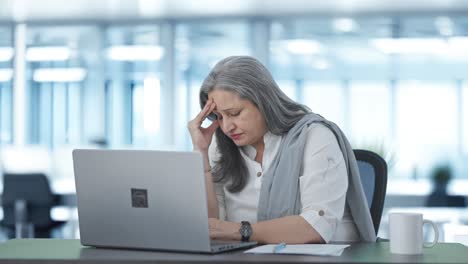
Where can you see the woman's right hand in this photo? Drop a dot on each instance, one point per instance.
(201, 137)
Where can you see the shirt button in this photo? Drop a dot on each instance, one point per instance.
(259, 174)
(321, 212)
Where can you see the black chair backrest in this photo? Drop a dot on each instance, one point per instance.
(373, 172)
(35, 190)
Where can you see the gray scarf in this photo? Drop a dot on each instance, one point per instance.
(279, 194)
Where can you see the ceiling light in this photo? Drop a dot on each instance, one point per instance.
(59, 75)
(6, 53)
(345, 25)
(303, 46)
(410, 45)
(135, 53)
(48, 53)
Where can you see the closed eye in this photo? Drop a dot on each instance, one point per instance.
(234, 114)
(220, 116)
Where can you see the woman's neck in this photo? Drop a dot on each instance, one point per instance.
(259, 148)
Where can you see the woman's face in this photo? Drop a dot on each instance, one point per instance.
(239, 119)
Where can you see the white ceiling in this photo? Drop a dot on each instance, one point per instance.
(50, 10)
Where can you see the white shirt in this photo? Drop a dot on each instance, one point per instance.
(323, 185)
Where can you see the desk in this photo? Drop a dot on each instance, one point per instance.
(71, 251)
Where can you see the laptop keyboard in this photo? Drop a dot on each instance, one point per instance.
(223, 242)
(220, 245)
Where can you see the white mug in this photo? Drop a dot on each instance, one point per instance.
(406, 233)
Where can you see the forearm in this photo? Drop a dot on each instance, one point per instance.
(289, 229)
(213, 211)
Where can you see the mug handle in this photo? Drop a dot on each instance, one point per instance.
(436, 234)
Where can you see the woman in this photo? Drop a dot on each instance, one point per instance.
(275, 172)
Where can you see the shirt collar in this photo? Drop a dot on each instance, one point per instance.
(269, 139)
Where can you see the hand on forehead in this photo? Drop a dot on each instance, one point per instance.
(225, 100)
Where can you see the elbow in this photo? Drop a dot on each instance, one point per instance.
(310, 235)
(314, 238)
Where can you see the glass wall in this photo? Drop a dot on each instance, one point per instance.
(327, 99)
(370, 114)
(395, 85)
(427, 124)
(391, 83)
(323, 59)
(198, 47)
(133, 85)
(60, 64)
(464, 119)
(6, 91)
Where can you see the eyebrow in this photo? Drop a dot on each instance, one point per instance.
(228, 109)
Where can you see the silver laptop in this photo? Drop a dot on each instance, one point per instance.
(144, 199)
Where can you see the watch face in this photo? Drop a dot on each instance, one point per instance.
(246, 230)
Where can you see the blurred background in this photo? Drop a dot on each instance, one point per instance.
(126, 74)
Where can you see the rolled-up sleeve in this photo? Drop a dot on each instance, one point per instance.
(324, 182)
(219, 187)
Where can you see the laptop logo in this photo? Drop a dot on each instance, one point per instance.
(139, 198)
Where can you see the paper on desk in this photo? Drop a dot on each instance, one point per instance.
(307, 249)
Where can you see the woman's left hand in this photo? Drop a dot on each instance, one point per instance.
(224, 230)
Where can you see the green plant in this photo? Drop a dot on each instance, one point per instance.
(441, 174)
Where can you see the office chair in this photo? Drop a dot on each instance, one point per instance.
(27, 198)
(373, 172)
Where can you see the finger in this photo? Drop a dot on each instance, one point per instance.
(213, 236)
(210, 110)
(196, 122)
(205, 111)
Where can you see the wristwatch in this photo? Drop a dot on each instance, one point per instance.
(245, 231)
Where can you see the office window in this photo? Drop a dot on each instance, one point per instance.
(289, 88)
(198, 47)
(370, 115)
(133, 57)
(344, 67)
(321, 56)
(146, 117)
(55, 113)
(133, 78)
(6, 85)
(326, 99)
(426, 127)
(6, 99)
(328, 48)
(465, 119)
(60, 67)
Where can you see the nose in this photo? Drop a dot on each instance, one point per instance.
(227, 125)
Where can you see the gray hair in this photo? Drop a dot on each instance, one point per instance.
(252, 81)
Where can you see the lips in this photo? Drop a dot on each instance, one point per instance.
(235, 136)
